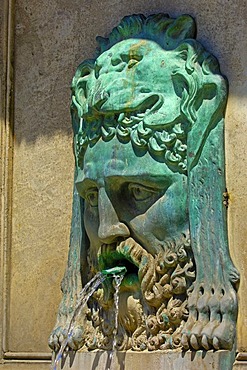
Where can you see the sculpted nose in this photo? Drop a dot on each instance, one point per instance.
(110, 228)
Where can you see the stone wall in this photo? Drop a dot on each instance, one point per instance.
(50, 39)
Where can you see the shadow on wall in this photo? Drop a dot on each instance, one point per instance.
(52, 38)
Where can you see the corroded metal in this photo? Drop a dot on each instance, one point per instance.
(148, 115)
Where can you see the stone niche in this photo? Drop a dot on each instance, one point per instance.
(42, 43)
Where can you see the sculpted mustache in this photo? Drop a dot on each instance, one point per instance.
(128, 249)
(133, 252)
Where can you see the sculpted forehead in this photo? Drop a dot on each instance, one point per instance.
(106, 159)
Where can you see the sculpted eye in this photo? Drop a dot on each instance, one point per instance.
(140, 192)
(92, 197)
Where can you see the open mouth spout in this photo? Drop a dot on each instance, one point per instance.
(118, 257)
(141, 272)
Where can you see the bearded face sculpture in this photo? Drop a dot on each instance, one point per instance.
(147, 116)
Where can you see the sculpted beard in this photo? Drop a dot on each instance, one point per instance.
(153, 296)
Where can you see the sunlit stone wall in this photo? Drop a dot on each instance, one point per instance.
(51, 38)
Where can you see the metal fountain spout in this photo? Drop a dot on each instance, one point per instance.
(118, 270)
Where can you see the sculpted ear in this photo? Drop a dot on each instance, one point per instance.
(80, 87)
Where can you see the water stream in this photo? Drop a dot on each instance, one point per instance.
(117, 273)
(117, 282)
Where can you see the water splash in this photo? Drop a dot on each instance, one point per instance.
(117, 273)
(117, 282)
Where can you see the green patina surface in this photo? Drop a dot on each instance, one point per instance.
(118, 270)
(148, 117)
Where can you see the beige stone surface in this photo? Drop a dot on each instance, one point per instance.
(28, 365)
(236, 152)
(51, 39)
(6, 140)
(169, 360)
(2, 119)
(240, 365)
